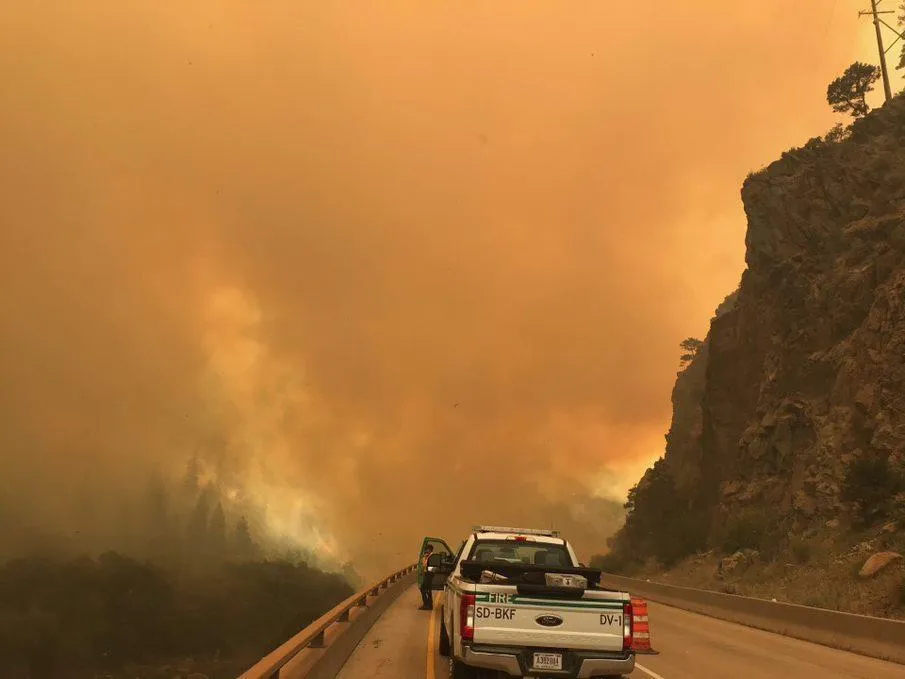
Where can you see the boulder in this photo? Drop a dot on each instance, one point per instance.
(731, 563)
(804, 503)
(877, 562)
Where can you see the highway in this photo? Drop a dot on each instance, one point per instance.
(402, 644)
(397, 647)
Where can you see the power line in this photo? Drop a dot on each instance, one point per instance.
(875, 13)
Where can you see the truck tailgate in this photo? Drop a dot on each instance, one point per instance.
(514, 619)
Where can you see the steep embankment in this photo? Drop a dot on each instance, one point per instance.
(785, 461)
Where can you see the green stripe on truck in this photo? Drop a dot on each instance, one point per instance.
(551, 603)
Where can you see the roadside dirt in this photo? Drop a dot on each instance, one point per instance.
(818, 573)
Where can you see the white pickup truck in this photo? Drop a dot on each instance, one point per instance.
(517, 603)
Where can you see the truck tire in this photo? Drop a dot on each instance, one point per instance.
(443, 646)
(458, 670)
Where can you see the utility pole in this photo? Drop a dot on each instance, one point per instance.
(875, 13)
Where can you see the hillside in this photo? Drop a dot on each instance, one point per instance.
(192, 585)
(785, 462)
(120, 618)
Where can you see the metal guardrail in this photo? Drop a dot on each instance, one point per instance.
(313, 635)
(875, 637)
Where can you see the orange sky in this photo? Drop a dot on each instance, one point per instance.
(388, 251)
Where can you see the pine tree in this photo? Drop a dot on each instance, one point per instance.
(186, 494)
(199, 523)
(848, 92)
(690, 346)
(158, 521)
(244, 545)
(217, 533)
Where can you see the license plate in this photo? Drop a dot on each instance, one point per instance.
(547, 661)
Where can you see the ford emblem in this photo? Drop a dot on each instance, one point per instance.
(548, 620)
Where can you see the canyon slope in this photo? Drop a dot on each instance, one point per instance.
(784, 469)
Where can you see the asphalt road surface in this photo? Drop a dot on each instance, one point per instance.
(396, 647)
(403, 645)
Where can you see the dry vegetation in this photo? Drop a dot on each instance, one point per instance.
(819, 571)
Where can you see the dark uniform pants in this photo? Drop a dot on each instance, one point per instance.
(427, 596)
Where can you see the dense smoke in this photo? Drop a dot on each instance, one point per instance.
(388, 269)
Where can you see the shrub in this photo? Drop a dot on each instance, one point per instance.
(615, 562)
(682, 535)
(837, 133)
(661, 521)
(871, 484)
(801, 551)
(830, 598)
(813, 144)
(743, 531)
(608, 563)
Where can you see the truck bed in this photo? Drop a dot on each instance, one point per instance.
(519, 573)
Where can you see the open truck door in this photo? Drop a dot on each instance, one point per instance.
(440, 562)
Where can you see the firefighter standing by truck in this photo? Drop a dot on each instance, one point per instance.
(427, 580)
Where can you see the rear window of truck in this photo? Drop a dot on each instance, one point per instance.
(529, 553)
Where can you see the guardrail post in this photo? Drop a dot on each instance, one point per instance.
(317, 641)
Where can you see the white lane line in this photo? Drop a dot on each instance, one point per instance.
(648, 672)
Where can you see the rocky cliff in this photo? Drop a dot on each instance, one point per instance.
(806, 375)
(791, 420)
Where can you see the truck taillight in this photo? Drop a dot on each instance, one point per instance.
(627, 626)
(466, 617)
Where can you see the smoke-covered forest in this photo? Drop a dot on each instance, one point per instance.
(195, 588)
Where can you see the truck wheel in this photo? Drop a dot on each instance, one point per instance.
(459, 671)
(443, 646)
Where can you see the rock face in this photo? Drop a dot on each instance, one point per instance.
(807, 372)
(803, 372)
